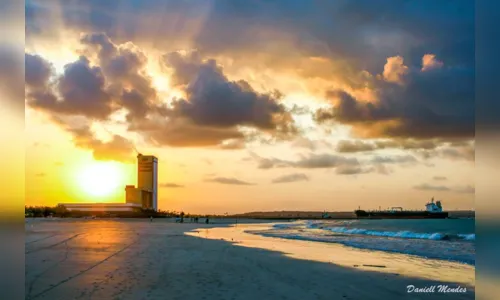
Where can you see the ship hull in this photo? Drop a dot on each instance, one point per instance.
(361, 214)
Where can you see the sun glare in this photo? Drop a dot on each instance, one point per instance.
(100, 179)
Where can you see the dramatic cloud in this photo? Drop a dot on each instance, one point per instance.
(81, 88)
(212, 113)
(361, 33)
(125, 68)
(215, 101)
(232, 181)
(291, 178)
(37, 71)
(171, 185)
(435, 103)
(394, 70)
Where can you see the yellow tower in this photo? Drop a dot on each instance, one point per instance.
(147, 180)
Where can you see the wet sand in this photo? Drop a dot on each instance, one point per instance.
(136, 259)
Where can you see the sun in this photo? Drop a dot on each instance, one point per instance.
(100, 178)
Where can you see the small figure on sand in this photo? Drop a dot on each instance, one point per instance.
(150, 218)
(206, 220)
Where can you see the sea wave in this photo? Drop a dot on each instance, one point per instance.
(287, 225)
(468, 237)
(402, 234)
(426, 249)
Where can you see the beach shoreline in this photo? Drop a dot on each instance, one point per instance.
(139, 259)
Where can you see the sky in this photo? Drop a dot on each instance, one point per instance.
(252, 105)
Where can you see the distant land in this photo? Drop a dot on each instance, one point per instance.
(331, 215)
(59, 211)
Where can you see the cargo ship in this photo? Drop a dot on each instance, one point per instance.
(433, 210)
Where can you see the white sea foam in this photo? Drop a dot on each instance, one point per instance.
(390, 236)
(468, 237)
(396, 234)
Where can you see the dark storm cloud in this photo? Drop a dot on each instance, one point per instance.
(362, 33)
(436, 103)
(230, 181)
(124, 66)
(214, 100)
(352, 35)
(291, 178)
(81, 88)
(214, 109)
(37, 71)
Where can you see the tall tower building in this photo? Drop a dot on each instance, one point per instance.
(147, 180)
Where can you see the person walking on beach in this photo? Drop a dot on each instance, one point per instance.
(150, 218)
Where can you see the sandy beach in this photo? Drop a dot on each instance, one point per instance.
(137, 259)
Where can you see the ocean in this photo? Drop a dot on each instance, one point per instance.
(442, 239)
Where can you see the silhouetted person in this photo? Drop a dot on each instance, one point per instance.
(150, 218)
(206, 220)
